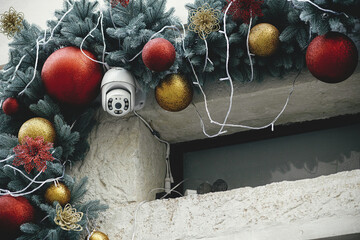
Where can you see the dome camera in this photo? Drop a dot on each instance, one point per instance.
(120, 94)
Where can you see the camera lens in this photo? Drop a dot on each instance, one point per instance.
(118, 105)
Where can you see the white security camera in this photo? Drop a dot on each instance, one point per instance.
(120, 94)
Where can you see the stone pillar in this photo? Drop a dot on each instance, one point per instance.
(124, 163)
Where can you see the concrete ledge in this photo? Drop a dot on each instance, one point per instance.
(257, 104)
(304, 209)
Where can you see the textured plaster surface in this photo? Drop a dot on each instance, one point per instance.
(304, 209)
(124, 162)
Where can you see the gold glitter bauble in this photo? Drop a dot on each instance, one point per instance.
(97, 235)
(36, 127)
(263, 39)
(59, 193)
(174, 93)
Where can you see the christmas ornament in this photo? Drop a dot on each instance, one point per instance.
(219, 186)
(114, 3)
(264, 39)
(58, 192)
(97, 235)
(14, 211)
(204, 21)
(70, 77)
(332, 57)
(36, 127)
(68, 218)
(33, 153)
(174, 93)
(10, 106)
(158, 55)
(244, 9)
(11, 22)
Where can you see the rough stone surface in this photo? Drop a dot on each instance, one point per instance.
(304, 209)
(124, 162)
(257, 104)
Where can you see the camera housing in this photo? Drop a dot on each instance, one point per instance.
(120, 94)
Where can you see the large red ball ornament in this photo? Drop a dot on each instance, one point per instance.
(332, 57)
(70, 77)
(14, 211)
(10, 106)
(158, 54)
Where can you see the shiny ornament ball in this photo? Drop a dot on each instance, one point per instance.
(10, 106)
(97, 235)
(59, 192)
(36, 127)
(70, 77)
(14, 211)
(264, 39)
(174, 93)
(158, 54)
(332, 57)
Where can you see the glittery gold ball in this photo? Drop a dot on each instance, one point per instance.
(97, 235)
(59, 193)
(264, 39)
(174, 93)
(36, 127)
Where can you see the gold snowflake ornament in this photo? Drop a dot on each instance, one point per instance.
(11, 22)
(204, 21)
(68, 218)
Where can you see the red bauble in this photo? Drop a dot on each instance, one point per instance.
(10, 106)
(332, 57)
(158, 54)
(14, 211)
(70, 77)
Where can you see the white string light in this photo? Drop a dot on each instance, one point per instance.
(16, 68)
(101, 16)
(169, 176)
(20, 192)
(248, 49)
(8, 158)
(224, 124)
(320, 8)
(43, 42)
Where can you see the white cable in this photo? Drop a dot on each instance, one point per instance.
(168, 177)
(206, 54)
(18, 193)
(248, 49)
(43, 43)
(16, 68)
(8, 158)
(101, 16)
(320, 8)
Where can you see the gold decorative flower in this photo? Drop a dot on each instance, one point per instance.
(68, 218)
(204, 21)
(11, 22)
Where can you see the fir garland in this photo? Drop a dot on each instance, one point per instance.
(128, 27)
